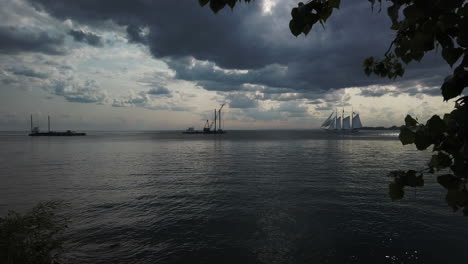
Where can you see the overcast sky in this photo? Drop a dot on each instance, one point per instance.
(142, 64)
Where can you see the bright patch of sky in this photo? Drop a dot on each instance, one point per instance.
(268, 5)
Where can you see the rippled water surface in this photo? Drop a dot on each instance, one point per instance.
(242, 197)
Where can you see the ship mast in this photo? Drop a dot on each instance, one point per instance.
(215, 120)
(219, 117)
(336, 119)
(342, 119)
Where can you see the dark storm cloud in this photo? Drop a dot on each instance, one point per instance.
(143, 99)
(240, 100)
(136, 34)
(158, 82)
(87, 92)
(328, 58)
(292, 109)
(22, 71)
(327, 107)
(86, 37)
(213, 78)
(159, 91)
(285, 111)
(376, 91)
(16, 39)
(430, 86)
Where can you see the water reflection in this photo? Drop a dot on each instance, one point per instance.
(284, 197)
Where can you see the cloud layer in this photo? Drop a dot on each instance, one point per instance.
(248, 39)
(84, 52)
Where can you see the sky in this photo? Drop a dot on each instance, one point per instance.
(157, 65)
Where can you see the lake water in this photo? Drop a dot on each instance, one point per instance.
(244, 197)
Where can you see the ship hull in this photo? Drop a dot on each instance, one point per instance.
(342, 131)
(203, 132)
(56, 134)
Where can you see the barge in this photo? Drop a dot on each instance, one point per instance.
(35, 132)
(208, 129)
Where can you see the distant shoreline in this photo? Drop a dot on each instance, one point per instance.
(26, 132)
(380, 128)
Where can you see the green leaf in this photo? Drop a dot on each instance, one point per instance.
(417, 42)
(449, 181)
(451, 88)
(422, 140)
(417, 55)
(295, 13)
(463, 11)
(436, 126)
(217, 5)
(445, 40)
(415, 181)
(325, 13)
(462, 39)
(399, 70)
(429, 27)
(447, 21)
(406, 136)
(407, 58)
(412, 14)
(296, 29)
(456, 198)
(306, 29)
(440, 161)
(311, 19)
(410, 178)
(459, 167)
(334, 3)
(395, 191)
(393, 13)
(203, 2)
(231, 3)
(410, 121)
(464, 62)
(368, 62)
(451, 55)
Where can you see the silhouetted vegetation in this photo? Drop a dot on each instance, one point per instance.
(33, 237)
(440, 25)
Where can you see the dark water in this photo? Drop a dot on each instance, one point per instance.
(243, 197)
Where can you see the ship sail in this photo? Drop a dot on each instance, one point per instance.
(338, 123)
(328, 121)
(347, 123)
(341, 123)
(332, 124)
(357, 122)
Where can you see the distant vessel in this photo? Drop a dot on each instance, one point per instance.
(35, 132)
(191, 130)
(208, 128)
(340, 123)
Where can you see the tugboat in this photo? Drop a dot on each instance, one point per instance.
(191, 130)
(35, 132)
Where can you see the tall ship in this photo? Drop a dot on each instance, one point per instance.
(340, 123)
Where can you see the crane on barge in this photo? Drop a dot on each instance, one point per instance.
(220, 129)
(208, 128)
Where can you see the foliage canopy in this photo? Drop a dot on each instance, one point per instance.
(34, 237)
